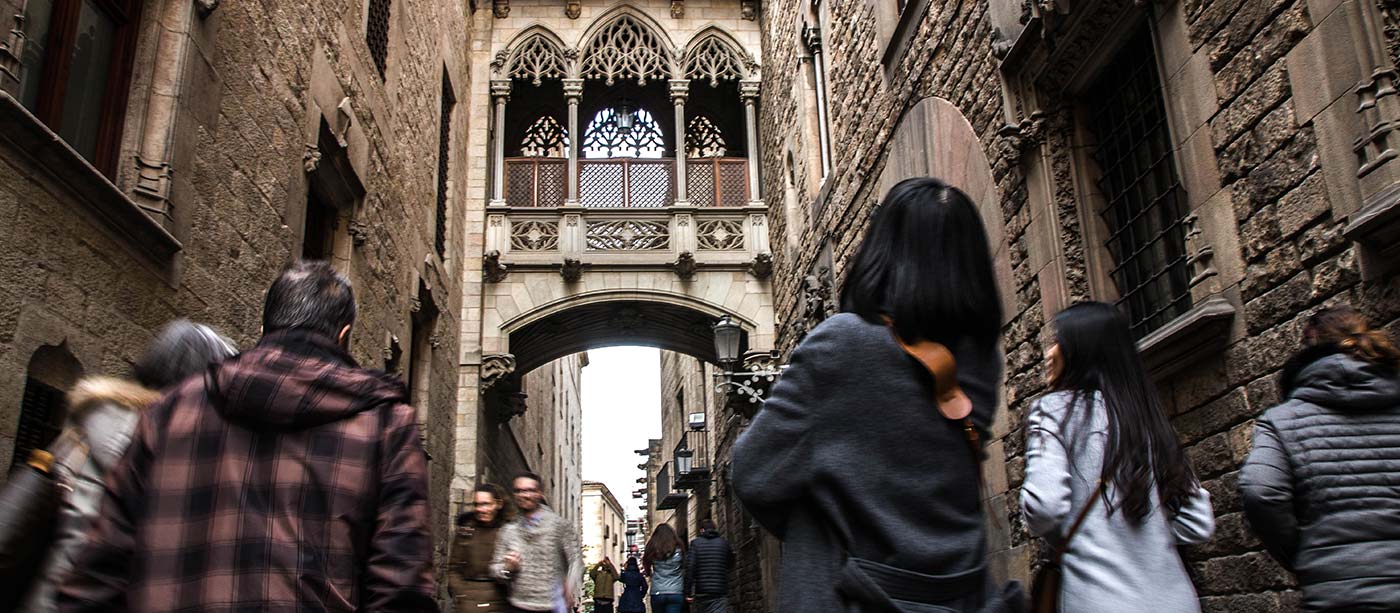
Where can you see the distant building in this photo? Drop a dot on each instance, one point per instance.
(604, 526)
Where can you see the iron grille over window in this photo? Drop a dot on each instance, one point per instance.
(545, 138)
(1146, 202)
(444, 151)
(377, 33)
(40, 412)
(605, 138)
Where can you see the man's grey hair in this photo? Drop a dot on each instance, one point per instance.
(309, 295)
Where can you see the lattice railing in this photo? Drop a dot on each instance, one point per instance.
(536, 181)
(626, 183)
(717, 181)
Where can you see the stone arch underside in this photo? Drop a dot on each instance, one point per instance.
(619, 320)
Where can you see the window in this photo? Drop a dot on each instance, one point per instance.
(704, 139)
(40, 418)
(318, 238)
(607, 138)
(377, 33)
(545, 138)
(1146, 203)
(444, 153)
(75, 70)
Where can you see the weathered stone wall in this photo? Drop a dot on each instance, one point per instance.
(255, 80)
(1263, 116)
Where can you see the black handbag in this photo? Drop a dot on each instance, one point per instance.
(1045, 590)
(29, 505)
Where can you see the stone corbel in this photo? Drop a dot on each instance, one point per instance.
(677, 9)
(495, 368)
(573, 8)
(500, 8)
(571, 270)
(748, 9)
(492, 270)
(206, 7)
(685, 266)
(762, 266)
(358, 231)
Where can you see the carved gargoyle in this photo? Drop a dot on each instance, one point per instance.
(571, 270)
(762, 266)
(492, 270)
(500, 8)
(685, 266)
(359, 232)
(572, 9)
(495, 368)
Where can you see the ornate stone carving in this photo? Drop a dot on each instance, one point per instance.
(713, 58)
(812, 38)
(748, 9)
(206, 7)
(358, 231)
(435, 341)
(720, 235)
(1201, 260)
(628, 235)
(685, 266)
(571, 270)
(624, 49)
(311, 158)
(818, 301)
(492, 270)
(415, 305)
(495, 368)
(500, 8)
(762, 266)
(534, 235)
(572, 9)
(536, 58)
(677, 9)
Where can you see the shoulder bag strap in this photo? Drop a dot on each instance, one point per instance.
(953, 403)
(1063, 546)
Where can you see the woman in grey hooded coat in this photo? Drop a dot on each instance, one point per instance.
(1321, 487)
(102, 415)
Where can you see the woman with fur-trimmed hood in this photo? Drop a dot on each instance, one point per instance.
(103, 412)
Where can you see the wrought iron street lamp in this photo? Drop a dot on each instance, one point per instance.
(625, 118)
(749, 382)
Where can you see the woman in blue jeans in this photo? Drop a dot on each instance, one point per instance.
(662, 562)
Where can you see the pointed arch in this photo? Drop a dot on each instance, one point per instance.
(537, 53)
(625, 43)
(714, 55)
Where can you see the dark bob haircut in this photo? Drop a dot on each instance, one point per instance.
(926, 264)
(309, 295)
(182, 348)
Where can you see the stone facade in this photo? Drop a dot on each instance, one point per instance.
(1263, 114)
(604, 528)
(220, 145)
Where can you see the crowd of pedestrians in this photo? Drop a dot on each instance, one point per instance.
(870, 475)
(287, 477)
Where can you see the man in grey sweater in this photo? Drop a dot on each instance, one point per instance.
(536, 552)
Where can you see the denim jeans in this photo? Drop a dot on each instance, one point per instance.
(667, 603)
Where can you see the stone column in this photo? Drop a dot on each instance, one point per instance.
(680, 89)
(812, 36)
(573, 93)
(500, 95)
(749, 91)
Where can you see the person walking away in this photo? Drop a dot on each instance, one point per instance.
(857, 470)
(707, 566)
(469, 577)
(1319, 487)
(1100, 446)
(536, 553)
(604, 576)
(634, 589)
(287, 478)
(663, 560)
(103, 415)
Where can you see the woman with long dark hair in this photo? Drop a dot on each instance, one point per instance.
(1319, 488)
(662, 562)
(868, 478)
(1099, 445)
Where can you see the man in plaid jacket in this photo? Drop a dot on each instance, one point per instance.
(286, 479)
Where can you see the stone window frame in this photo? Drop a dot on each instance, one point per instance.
(895, 27)
(1208, 326)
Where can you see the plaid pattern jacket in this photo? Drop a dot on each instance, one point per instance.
(286, 479)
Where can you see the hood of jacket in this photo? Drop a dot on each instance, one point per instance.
(296, 379)
(91, 392)
(1340, 381)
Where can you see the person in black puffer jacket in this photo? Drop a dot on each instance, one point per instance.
(707, 566)
(1319, 487)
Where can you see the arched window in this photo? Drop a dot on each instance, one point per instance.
(546, 139)
(704, 139)
(605, 139)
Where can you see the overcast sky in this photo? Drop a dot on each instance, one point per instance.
(621, 410)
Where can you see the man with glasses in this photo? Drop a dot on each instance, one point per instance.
(537, 553)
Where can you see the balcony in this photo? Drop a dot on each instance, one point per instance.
(626, 183)
(666, 498)
(692, 460)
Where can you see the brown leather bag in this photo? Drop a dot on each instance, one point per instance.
(1045, 590)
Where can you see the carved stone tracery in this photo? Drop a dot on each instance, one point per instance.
(625, 49)
(536, 58)
(711, 58)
